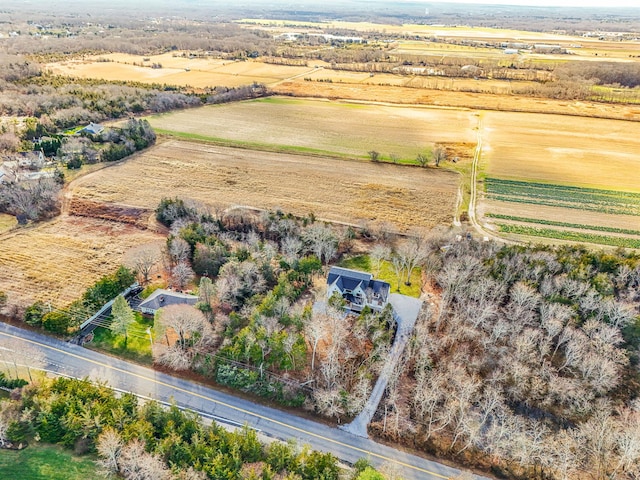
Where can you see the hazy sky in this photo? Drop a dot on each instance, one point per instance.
(554, 3)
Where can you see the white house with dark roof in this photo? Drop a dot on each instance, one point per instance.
(359, 289)
(163, 298)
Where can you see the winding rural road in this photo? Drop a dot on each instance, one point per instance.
(75, 361)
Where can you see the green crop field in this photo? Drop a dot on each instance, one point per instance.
(574, 202)
(578, 237)
(603, 201)
(538, 221)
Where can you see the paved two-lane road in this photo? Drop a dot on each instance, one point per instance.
(76, 361)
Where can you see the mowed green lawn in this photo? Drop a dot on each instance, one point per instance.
(386, 273)
(45, 462)
(136, 347)
(321, 127)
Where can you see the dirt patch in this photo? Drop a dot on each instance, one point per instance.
(138, 217)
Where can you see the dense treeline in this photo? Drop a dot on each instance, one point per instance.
(225, 39)
(255, 333)
(527, 363)
(135, 440)
(603, 73)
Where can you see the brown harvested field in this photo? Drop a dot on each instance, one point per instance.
(7, 222)
(479, 101)
(584, 152)
(56, 261)
(176, 70)
(336, 190)
(320, 126)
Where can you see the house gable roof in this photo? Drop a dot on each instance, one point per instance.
(93, 128)
(163, 298)
(352, 277)
(347, 280)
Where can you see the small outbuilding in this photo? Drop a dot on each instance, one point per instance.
(92, 128)
(163, 298)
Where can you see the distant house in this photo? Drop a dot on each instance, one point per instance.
(31, 160)
(92, 128)
(163, 298)
(359, 289)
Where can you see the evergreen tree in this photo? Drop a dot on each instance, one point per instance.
(123, 317)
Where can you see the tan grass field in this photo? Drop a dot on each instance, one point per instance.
(478, 101)
(333, 189)
(7, 222)
(584, 152)
(57, 260)
(176, 70)
(341, 128)
(500, 87)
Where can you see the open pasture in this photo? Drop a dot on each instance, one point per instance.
(332, 189)
(56, 261)
(323, 127)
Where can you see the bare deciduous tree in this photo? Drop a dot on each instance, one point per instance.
(181, 332)
(378, 254)
(182, 275)
(32, 199)
(137, 464)
(143, 260)
(439, 155)
(322, 241)
(109, 446)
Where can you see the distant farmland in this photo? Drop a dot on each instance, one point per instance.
(323, 127)
(332, 189)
